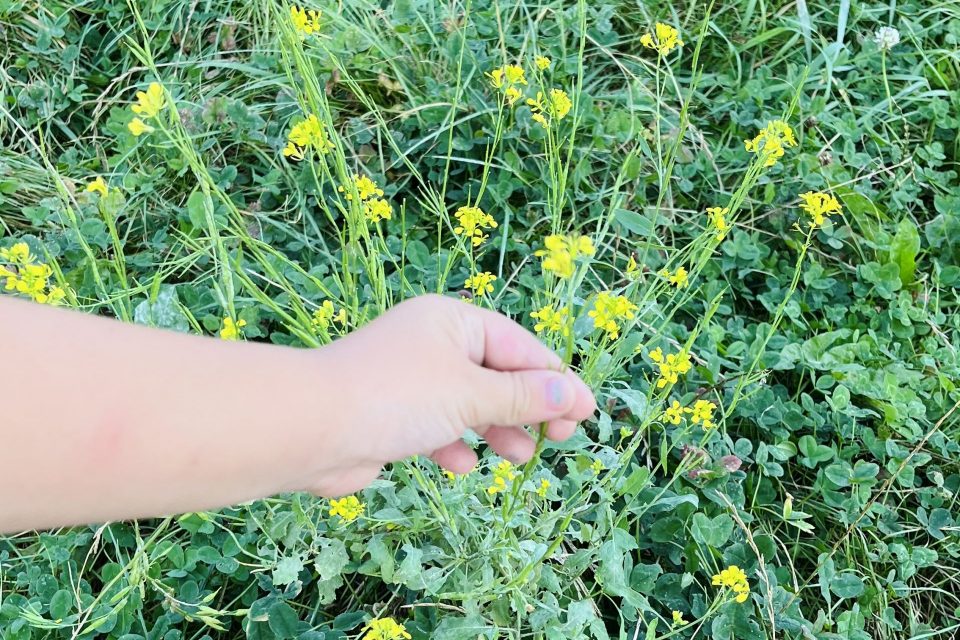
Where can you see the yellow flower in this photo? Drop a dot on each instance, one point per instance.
(597, 467)
(366, 188)
(666, 39)
(625, 432)
(508, 80)
(671, 367)
(309, 133)
(98, 186)
(472, 221)
(543, 488)
(512, 94)
(555, 106)
(610, 312)
(733, 578)
(718, 220)
(769, 144)
(673, 413)
(378, 209)
(703, 413)
(17, 254)
(542, 62)
(385, 629)
(502, 475)
(326, 314)
(138, 127)
(551, 321)
(561, 252)
(305, 22)
(514, 74)
(678, 620)
(633, 270)
(232, 330)
(481, 283)
(678, 277)
(150, 103)
(819, 206)
(349, 508)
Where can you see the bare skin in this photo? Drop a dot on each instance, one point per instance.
(105, 421)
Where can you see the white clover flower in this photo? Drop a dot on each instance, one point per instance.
(886, 38)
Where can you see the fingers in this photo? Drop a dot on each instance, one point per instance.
(456, 457)
(497, 342)
(515, 398)
(511, 443)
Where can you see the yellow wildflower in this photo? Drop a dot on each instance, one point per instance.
(561, 252)
(543, 488)
(610, 312)
(366, 188)
(385, 629)
(819, 206)
(232, 330)
(597, 467)
(472, 222)
(718, 220)
(138, 127)
(542, 62)
(513, 94)
(98, 186)
(27, 276)
(502, 475)
(633, 270)
(481, 283)
(663, 41)
(626, 432)
(550, 320)
(305, 22)
(326, 314)
(555, 106)
(678, 620)
(378, 209)
(349, 508)
(678, 277)
(150, 102)
(769, 144)
(703, 413)
(674, 413)
(17, 254)
(733, 578)
(508, 79)
(671, 367)
(309, 133)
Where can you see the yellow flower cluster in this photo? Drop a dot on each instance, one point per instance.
(633, 269)
(472, 222)
(149, 104)
(307, 134)
(560, 253)
(385, 629)
(232, 330)
(610, 312)
(674, 413)
(366, 188)
(550, 320)
(678, 277)
(326, 314)
(543, 488)
(502, 475)
(25, 275)
(718, 220)
(733, 578)
(555, 106)
(664, 39)
(349, 508)
(819, 206)
(305, 22)
(542, 62)
(702, 412)
(678, 620)
(671, 366)
(481, 283)
(508, 79)
(769, 144)
(375, 207)
(98, 186)
(597, 466)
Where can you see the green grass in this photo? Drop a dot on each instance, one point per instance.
(833, 474)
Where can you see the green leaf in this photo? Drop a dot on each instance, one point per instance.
(283, 620)
(287, 570)
(846, 585)
(61, 604)
(712, 532)
(904, 249)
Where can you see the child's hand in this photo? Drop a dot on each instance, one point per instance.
(412, 382)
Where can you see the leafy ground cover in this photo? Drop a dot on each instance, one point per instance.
(739, 222)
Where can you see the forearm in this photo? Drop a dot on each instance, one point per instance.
(105, 421)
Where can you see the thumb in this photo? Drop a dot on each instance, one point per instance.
(514, 398)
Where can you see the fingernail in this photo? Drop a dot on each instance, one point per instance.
(557, 393)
